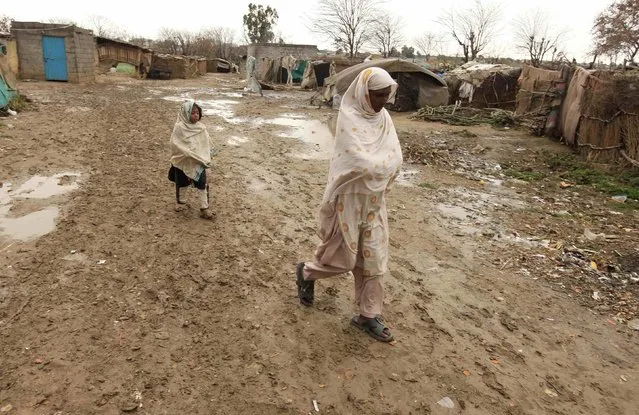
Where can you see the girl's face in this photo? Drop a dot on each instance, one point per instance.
(195, 115)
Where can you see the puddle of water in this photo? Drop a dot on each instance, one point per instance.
(287, 122)
(314, 133)
(30, 226)
(232, 94)
(40, 187)
(38, 223)
(237, 141)
(406, 178)
(454, 212)
(5, 197)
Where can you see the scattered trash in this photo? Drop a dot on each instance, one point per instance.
(11, 112)
(495, 361)
(102, 262)
(6, 408)
(73, 251)
(315, 406)
(593, 265)
(566, 184)
(551, 393)
(467, 373)
(634, 324)
(446, 402)
(620, 198)
(623, 378)
(595, 296)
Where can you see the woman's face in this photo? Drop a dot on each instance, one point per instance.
(195, 114)
(378, 98)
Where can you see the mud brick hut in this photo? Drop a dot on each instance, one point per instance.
(55, 52)
(111, 52)
(176, 67)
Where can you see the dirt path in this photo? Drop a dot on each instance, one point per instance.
(128, 306)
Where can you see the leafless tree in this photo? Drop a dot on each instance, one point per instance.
(474, 28)
(175, 42)
(223, 39)
(104, 27)
(429, 43)
(387, 33)
(62, 20)
(5, 23)
(349, 24)
(535, 35)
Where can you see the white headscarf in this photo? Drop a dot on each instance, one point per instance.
(367, 153)
(190, 143)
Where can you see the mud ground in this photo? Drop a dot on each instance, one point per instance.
(506, 296)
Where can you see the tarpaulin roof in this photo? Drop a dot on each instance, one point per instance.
(339, 83)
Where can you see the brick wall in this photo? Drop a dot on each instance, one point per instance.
(276, 51)
(79, 45)
(85, 50)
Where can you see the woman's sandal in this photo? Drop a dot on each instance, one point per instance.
(374, 327)
(305, 289)
(207, 214)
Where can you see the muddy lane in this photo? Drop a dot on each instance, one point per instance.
(123, 305)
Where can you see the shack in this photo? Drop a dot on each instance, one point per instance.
(112, 52)
(55, 52)
(417, 86)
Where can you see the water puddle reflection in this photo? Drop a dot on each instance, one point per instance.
(34, 224)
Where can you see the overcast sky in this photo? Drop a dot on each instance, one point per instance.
(143, 18)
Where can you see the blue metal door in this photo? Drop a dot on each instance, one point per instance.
(55, 58)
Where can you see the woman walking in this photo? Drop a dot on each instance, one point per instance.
(353, 222)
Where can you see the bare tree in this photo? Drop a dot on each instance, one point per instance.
(473, 28)
(5, 23)
(387, 33)
(62, 20)
(349, 24)
(223, 39)
(178, 42)
(535, 36)
(103, 27)
(429, 43)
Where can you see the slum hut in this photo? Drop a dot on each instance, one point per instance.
(55, 52)
(417, 86)
(268, 57)
(112, 52)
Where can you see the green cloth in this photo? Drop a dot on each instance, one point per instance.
(126, 68)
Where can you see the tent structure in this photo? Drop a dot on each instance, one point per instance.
(418, 87)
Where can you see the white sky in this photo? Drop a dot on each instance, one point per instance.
(144, 18)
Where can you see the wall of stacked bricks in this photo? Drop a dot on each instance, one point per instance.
(80, 50)
(276, 51)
